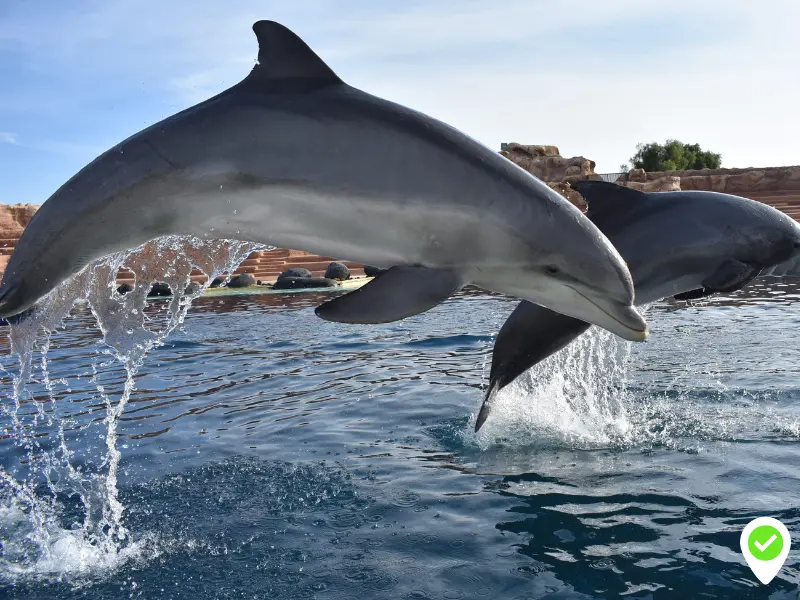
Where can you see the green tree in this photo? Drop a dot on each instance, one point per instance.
(674, 156)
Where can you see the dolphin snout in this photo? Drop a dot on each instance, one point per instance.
(620, 318)
(633, 326)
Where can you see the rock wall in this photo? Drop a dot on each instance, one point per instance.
(730, 181)
(776, 186)
(638, 180)
(13, 220)
(546, 163)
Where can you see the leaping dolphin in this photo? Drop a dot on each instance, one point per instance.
(292, 156)
(682, 244)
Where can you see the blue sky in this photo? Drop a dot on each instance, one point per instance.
(594, 77)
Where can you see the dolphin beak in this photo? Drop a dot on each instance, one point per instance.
(630, 325)
(618, 318)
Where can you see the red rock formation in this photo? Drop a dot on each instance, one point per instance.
(547, 164)
(572, 195)
(776, 186)
(13, 220)
(663, 184)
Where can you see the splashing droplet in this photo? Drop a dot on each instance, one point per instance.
(37, 541)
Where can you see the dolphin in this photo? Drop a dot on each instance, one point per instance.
(292, 156)
(682, 244)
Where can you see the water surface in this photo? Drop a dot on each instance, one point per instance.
(265, 453)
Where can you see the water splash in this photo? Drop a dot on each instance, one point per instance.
(61, 516)
(576, 397)
(599, 393)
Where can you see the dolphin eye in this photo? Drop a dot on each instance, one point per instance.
(552, 270)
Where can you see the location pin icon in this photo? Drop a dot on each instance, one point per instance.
(765, 544)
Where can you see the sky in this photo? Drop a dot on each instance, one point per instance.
(593, 77)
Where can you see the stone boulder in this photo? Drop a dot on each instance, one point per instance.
(14, 218)
(784, 180)
(639, 175)
(159, 290)
(572, 195)
(296, 272)
(192, 288)
(125, 288)
(296, 283)
(534, 150)
(337, 270)
(218, 281)
(371, 271)
(242, 280)
(664, 184)
(547, 164)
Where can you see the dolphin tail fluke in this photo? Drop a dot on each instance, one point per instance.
(397, 293)
(486, 407)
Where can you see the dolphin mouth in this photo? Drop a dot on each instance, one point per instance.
(624, 320)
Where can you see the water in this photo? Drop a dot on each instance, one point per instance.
(259, 452)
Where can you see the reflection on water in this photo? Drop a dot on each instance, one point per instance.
(265, 453)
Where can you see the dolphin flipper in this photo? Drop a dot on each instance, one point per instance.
(395, 294)
(530, 334)
(730, 276)
(694, 294)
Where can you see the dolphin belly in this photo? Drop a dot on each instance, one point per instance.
(358, 227)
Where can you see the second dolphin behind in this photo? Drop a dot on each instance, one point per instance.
(683, 244)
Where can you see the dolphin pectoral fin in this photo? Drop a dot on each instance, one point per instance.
(395, 294)
(694, 294)
(730, 276)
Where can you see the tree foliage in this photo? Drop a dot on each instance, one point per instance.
(674, 156)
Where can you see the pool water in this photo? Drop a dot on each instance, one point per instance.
(264, 453)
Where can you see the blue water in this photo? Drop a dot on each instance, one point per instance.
(268, 454)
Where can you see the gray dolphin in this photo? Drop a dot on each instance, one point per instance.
(682, 244)
(291, 156)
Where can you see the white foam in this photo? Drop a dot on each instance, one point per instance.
(577, 397)
(34, 539)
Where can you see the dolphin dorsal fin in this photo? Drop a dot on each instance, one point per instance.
(609, 203)
(286, 61)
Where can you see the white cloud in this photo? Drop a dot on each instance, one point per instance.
(725, 80)
(7, 138)
(592, 78)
